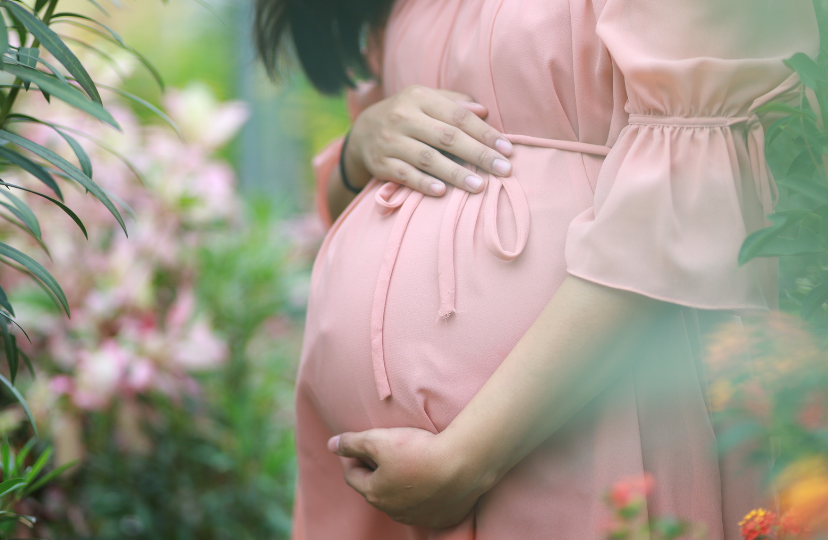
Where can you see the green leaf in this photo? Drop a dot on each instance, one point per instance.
(806, 242)
(140, 57)
(800, 184)
(97, 5)
(51, 475)
(784, 108)
(80, 153)
(73, 172)
(32, 168)
(20, 400)
(22, 211)
(147, 104)
(756, 242)
(6, 459)
(19, 28)
(10, 348)
(809, 71)
(28, 362)
(113, 64)
(65, 92)
(4, 301)
(24, 452)
(8, 486)
(70, 15)
(4, 36)
(52, 43)
(40, 4)
(37, 270)
(28, 56)
(9, 319)
(62, 206)
(814, 301)
(38, 465)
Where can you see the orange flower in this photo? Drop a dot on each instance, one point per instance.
(807, 499)
(757, 523)
(790, 525)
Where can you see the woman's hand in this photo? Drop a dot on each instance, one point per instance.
(411, 475)
(401, 139)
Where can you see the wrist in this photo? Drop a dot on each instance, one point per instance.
(352, 170)
(467, 462)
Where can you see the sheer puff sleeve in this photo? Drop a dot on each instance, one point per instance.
(686, 180)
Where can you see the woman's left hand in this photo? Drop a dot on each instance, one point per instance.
(411, 474)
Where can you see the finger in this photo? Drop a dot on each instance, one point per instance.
(460, 117)
(466, 101)
(455, 141)
(400, 171)
(356, 475)
(427, 159)
(355, 445)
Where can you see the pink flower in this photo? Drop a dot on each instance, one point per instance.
(98, 376)
(630, 490)
(61, 384)
(200, 349)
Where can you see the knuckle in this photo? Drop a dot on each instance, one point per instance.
(416, 91)
(426, 157)
(484, 157)
(385, 136)
(489, 135)
(448, 136)
(397, 116)
(402, 175)
(460, 116)
(456, 175)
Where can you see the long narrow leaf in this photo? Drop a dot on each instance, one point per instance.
(147, 104)
(80, 153)
(75, 173)
(97, 5)
(140, 57)
(32, 168)
(62, 206)
(9, 347)
(22, 210)
(52, 43)
(69, 15)
(4, 301)
(28, 362)
(34, 472)
(8, 486)
(9, 319)
(48, 477)
(20, 399)
(103, 55)
(65, 92)
(37, 270)
(4, 37)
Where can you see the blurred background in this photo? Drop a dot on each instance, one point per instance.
(169, 390)
(164, 404)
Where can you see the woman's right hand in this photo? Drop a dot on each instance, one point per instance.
(401, 139)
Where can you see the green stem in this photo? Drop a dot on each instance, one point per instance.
(14, 92)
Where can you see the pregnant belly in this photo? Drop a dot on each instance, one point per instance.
(434, 359)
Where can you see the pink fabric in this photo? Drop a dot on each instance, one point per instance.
(416, 300)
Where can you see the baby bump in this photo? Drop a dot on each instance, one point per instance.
(415, 301)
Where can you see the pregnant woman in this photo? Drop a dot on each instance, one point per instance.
(509, 316)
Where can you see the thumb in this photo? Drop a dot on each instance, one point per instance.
(353, 445)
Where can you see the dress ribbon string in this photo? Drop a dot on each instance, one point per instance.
(391, 197)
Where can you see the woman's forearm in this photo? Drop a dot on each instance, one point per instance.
(572, 352)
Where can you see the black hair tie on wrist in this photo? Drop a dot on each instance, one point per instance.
(348, 185)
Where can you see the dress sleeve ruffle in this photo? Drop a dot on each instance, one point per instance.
(686, 181)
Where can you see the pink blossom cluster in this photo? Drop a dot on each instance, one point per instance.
(135, 326)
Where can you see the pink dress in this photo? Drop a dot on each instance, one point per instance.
(638, 164)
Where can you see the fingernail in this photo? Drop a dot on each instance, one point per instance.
(474, 182)
(333, 444)
(436, 188)
(503, 146)
(502, 166)
(470, 104)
